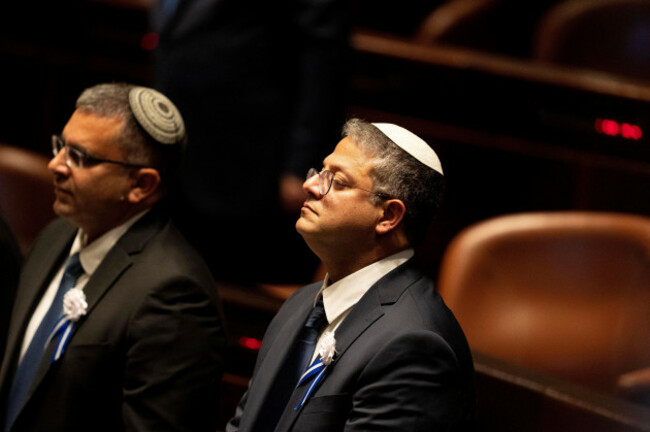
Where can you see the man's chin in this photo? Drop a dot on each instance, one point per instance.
(302, 226)
(307, 229)
(61, 209)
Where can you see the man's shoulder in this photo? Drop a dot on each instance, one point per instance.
(154, 254)
(153, 231)
(57, 227)
(409, 300)
(165, 246)
(158, 264)
(299, 302)
(303, 297)
(51, 239)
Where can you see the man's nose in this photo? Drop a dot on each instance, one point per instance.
(58, 163)
(311, 186)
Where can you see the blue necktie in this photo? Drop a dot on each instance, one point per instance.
(310, 379)
(306, 344)
(32, 359)
(295, 364)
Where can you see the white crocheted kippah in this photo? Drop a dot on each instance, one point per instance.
(157, 115)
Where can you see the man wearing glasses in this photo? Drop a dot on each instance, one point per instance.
(383, 351)
(116, 323)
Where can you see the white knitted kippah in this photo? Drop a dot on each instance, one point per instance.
(412, 144)
(157, 115)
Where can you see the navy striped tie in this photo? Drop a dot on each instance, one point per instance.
(30, 362)
(295, 364)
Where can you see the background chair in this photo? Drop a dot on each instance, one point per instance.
(383, 16)
(564, 293)
(498, 26)
(511, 398)
(26, 192)
(609, 36)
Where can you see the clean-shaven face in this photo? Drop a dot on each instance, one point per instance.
(343, 219)
(91, 197)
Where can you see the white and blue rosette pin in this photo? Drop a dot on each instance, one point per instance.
(74, 307)
(316, 371)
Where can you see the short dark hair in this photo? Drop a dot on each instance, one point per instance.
(399, 175)
(137, 146)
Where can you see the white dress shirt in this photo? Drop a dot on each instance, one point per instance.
(90, 256)
(341, 296)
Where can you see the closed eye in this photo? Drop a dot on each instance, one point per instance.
(339, 183)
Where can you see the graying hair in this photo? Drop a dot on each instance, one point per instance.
(137, 146)
(399, 175)
(112, 100)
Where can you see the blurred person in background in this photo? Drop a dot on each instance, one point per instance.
(261, 86)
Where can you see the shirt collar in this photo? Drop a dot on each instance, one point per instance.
(340, 296)
(93, 254)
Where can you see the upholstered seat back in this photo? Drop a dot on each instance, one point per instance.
(566, 293)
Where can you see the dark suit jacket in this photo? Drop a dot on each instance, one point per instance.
(402, 364)
(148, 354)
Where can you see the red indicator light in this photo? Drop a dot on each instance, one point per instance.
(631, 131)
(149, 41)
(250, 343)
(614, 128)
(610, 127)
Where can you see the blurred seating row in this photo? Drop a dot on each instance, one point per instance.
(26, 192)
(608, 36)
(505, 27)
(511, 398)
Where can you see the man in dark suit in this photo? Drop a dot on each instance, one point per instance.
(137, 340)
(390, 356)
(261, 88)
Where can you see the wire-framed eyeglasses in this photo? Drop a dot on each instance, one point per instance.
(326, 178)
(77, 158)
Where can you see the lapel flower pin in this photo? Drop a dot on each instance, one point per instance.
(327, 348)
(74, 307)
(74, 304)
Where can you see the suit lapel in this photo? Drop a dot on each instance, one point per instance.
(109, 271)
(116, 261)
(363, 315)
(113, 265)
(369, 309)
(42, 266)
(275, 358)
(103, 278)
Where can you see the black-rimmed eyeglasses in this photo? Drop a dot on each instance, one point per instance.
(326, 178)
(77, 158)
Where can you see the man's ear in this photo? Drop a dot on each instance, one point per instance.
(392, 216)
(146, 182)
